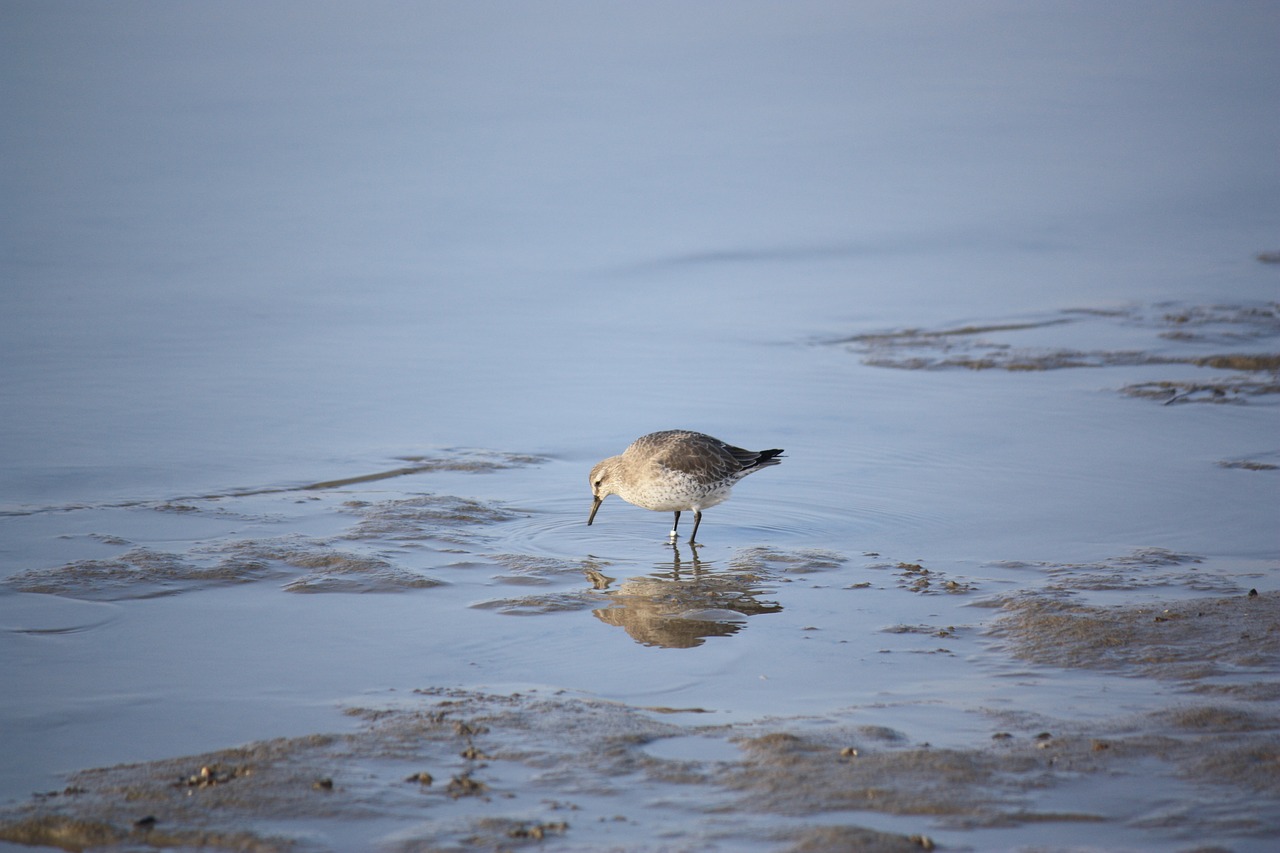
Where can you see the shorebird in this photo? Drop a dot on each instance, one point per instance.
(676, 470)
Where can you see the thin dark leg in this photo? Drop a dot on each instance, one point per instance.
(697, 519)
(677, 524)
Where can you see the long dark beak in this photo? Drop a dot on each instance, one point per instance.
(595, 505)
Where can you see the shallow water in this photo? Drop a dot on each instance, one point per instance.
(312, 328)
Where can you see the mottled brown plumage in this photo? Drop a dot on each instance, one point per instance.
(676, 470)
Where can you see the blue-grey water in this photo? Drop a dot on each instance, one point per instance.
(249, 248)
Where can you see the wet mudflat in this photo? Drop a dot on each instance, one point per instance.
(453, 769)
(1127, 701)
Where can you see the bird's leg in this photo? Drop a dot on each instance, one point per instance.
(676, 524)
(697, 519)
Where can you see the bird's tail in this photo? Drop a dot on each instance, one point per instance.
(753, 459)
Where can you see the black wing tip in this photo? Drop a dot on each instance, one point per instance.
(768, 457)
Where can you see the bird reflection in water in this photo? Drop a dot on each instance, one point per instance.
(683, 603)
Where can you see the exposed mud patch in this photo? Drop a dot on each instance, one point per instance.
(139, 573)
(826, 839)
(446, 771)
(1167, 334)
(423, 517)
(1230, 389)
(1211, 323)
(1145, 568)
(1183, 641)
(914, 577)
(1249, 465)
(426, 525)
(328, 569)
(1015, 781)
(460, 770)
(805, 775)
(309, 565)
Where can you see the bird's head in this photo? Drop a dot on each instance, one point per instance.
(601, 485)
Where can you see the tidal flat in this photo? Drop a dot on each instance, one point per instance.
(525, 680)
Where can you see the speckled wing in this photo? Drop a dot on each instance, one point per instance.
(707, 459)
